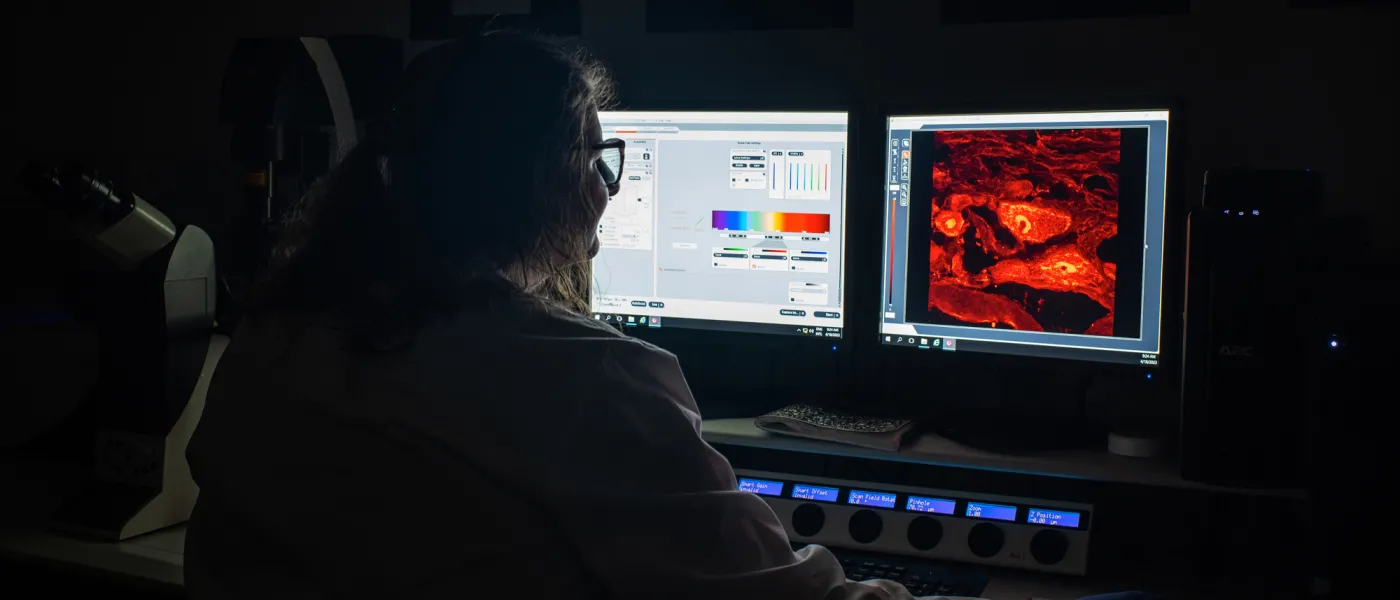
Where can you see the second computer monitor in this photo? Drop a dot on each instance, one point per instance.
(728, 221)
(1030, 234)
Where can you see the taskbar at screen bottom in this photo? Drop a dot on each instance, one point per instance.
(655, 322)
(925, 342)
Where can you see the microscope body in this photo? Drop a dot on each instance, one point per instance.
(154, 318)
(157, 353)
(295, 105)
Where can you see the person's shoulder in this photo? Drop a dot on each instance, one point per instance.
(553, 358)
(554, 320)
(611, 357)
(550, 330)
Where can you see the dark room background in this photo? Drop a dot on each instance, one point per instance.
(132, 88)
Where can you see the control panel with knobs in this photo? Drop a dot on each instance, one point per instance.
(1025, 533)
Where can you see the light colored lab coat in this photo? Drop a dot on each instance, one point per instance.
(526, 453)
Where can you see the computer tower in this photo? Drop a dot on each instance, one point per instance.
(1248, 326)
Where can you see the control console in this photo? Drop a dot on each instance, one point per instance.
(1024, 533)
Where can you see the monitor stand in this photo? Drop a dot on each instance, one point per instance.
(1005, 432)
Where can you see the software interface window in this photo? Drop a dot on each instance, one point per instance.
(726, 221)
(1032, 234)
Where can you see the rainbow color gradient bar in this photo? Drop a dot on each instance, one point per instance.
(740, 220)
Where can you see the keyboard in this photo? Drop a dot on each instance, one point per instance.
(921, 577)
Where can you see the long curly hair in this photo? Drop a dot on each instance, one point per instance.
(479, 169)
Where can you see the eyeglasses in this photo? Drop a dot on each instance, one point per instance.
(609, 165)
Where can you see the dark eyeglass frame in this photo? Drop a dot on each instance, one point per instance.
(615, 184)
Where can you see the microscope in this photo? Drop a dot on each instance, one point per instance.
(293, 105)
(157, 350)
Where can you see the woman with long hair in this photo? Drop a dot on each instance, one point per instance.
(416, 405)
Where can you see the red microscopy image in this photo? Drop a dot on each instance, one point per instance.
(1018, 218)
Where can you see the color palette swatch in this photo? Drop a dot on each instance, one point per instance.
(782, 222)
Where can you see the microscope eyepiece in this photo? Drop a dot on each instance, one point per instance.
(74, 191)
(116, 222)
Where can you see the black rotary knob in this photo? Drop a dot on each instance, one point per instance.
(1049, 546)
(985, 540)
(865, 526)
(925, 533)
(808, 520)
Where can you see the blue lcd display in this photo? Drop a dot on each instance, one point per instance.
(1052, 517)
(1000, 512)
(761, 487)
(936, 506)
(876, 499)
(815, 492)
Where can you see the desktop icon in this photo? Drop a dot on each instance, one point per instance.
(656, 321)
(631, 319)
(911, 340)
(923, 341)
(950, 344)
(937, 342)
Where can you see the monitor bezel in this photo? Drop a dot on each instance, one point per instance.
(878, 363)
(706, 353)
(664, 335)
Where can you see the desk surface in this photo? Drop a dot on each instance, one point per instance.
(931, 449)
(159, 557)
(24, 511)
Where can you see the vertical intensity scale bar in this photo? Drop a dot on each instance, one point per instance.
(889, 294)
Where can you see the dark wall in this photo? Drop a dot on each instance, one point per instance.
(132, 87)
(1265, 85)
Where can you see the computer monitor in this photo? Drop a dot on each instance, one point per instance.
(1035, 234)
(730, 221)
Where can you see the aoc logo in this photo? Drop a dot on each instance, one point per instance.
(1241, 351)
